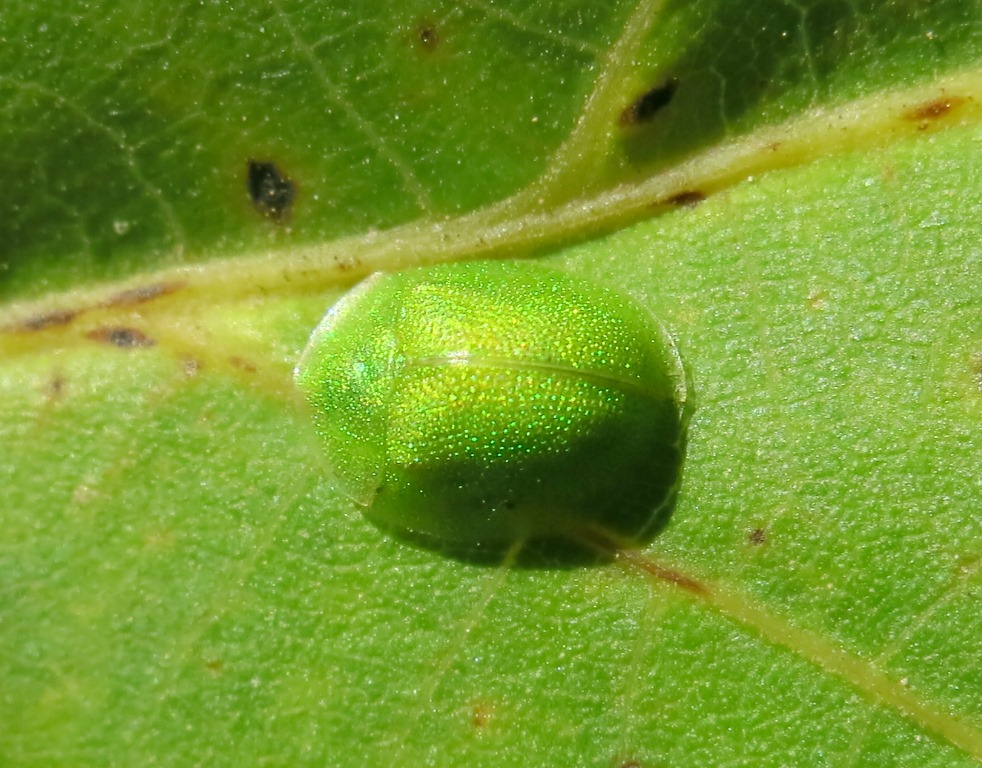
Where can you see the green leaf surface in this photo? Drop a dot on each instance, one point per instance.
(797, 200)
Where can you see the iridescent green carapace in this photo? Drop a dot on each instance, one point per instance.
(482, 404)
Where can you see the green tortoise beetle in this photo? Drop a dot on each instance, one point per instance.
(482, 404)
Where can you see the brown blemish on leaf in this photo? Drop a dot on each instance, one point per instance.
(118, 336)
(56, 387)
(84, 494)
(966, 565)
(242, 364)
(127, 298)
(660, 572)
(482, 713)
(977, 369)
(272, 193)
(142, 294)
(757, 537)
(933, 110)
(159, 540)
(347, 264)
(215, 666)
(649, 104)
(624, 759)
(817, 300)
(427, 36)
(191, 366)
(48, 320)
(687, 198)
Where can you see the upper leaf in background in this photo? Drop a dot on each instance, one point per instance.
(127, 129)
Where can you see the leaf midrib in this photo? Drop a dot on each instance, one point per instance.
(518, 226)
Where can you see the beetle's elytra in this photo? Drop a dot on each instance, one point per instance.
(480, 404)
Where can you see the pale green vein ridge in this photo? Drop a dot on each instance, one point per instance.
(586, 150)
(419, 192)
(492, 11)
(126, 150)
(398, 738)
(960, 586)
(863, 674)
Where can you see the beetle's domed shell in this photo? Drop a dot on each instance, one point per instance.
(483, 403)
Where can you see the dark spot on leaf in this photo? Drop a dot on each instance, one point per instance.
(159, 539)
(191, 366)
(49, 320)
(124, 338)
(646, 106)
(427, 36)
(687, 198)
(932, 110)
(966, 565)
(482, 712)
(242, 364)
(817, 300)
(56, 387)
(621, 760)
(215, 666)
(271, 192)
(142, 294)
(757, 536)
(977, 369)
(660, 572)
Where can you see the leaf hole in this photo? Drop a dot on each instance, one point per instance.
(649, 104)
(427, 36)
(272, 193)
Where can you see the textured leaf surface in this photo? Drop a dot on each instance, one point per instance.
(792, 188)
